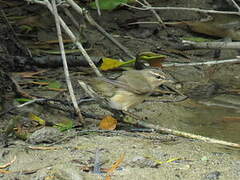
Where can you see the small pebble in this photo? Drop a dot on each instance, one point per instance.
(213, 175)
(44, 135)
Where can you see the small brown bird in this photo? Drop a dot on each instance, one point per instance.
(130, 89)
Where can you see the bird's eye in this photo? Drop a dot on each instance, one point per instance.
(160, 77)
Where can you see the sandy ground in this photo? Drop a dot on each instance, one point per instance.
(73, 154)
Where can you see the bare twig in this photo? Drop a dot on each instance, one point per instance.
(155, 14)
(235, 5)
(65, 67)
(30, 102)
(88, 89)
(71, 35)
(144, 22)
(73, 19)
(201, 63)
(9, 163)
(212, 45)
(187, 135)
(20, 106)
(146, 8)
(134, 7)
(14, 38)
(98, 27)
(98, 7)
(193, 9)
(101, 30)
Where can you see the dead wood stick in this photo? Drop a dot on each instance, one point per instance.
(71, 35)
(212, 45)
(65, 66)
(146, 8)
(187, 135)
(92, 22)
(237, 60)
(159, 19)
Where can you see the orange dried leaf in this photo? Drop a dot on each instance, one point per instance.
(30, 74)
(116, 164)
(108, 123)
(108, 177)
(2, 171)
(231, 119)
(53, 41)
(9, 163)
(42, 148)
(39, 83)
(156, 62)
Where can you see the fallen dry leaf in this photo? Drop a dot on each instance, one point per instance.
(40, 83)
(57, 89)
(108, 123)
(116, 164)
(36, 118)
(109, 63)
(42, 148)
(30, 74)
(9, 163)
(231, 119)
(2, 171)
(156, 62)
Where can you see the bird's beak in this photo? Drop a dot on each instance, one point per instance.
(169, 80)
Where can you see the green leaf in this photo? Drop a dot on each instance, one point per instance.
(196, 39)
(54, 84)
(108, 4)
(36, 118)
(23, 100)
(64, 126)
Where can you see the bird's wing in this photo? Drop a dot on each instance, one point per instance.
(136, 84)
(122, 84)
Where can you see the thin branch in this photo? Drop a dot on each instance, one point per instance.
(15, 38)
(71, 35)
(201, 63)
(212, 45)
(21, 105)
(134, 7)
(98, 7)
(192, 9)
(235, 5)
(73, 19)
(155, 14)
(140, 3)
(187, 135)
(30, 102)
(98, 27)
(65, 67)
(146, 8)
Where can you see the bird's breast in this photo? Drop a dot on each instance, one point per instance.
(123, 100)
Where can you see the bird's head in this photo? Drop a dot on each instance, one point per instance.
(156, 77)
